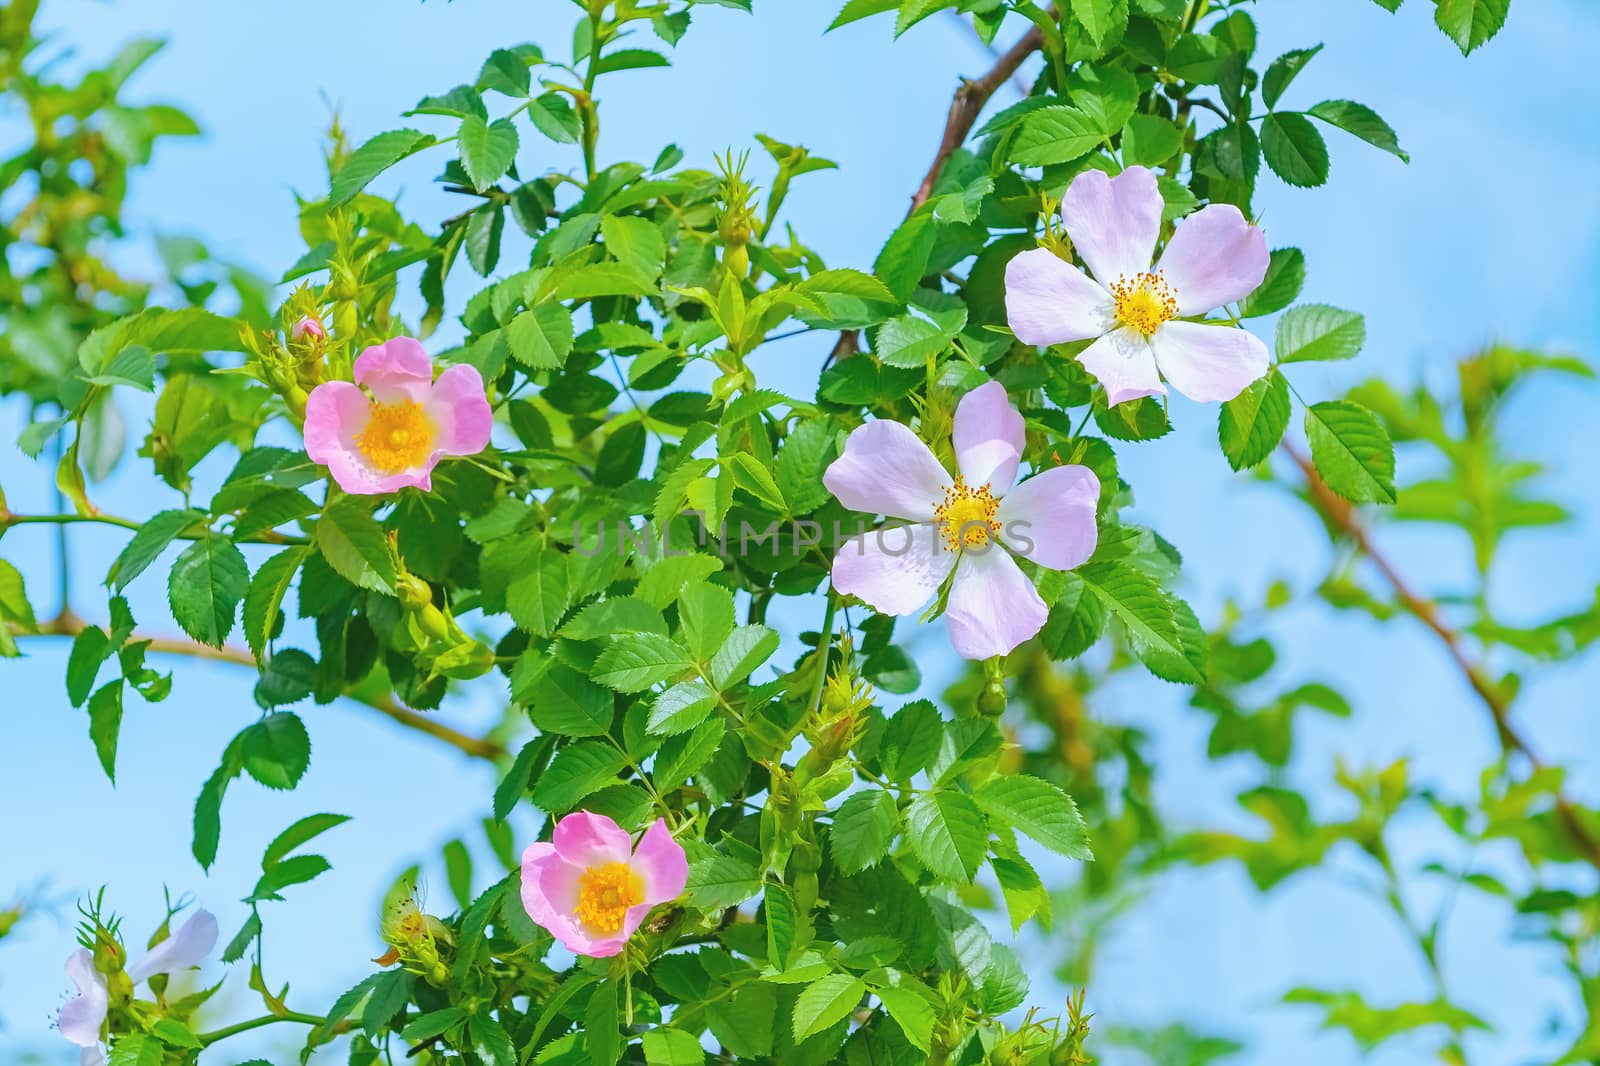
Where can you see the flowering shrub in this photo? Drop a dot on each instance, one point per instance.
(580, 495)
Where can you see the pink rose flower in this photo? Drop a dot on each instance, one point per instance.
(1137, 312)
(592, 888)
(394, 434)
(308, 329)
(971, 525)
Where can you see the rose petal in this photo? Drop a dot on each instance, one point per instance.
(550, 896)
(461, 411)
(92, 1056)
(82, 1015)
(1123, 362)
(1114, 222)
(184, 949)
(886, 469)
(1049, 301)
(1049, 518)
(584, 840)
(663, 864)
(1209, 363)
(894, 570)
(1214, 258)
(396, 370)
(988, 437)
(993, 606)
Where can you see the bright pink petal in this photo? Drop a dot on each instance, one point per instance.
(1050, 301)
(1209, 363)
(1123, 363)
(460, 409)
(396, 370)
(550, 896)
(1214, 258)
(886, 469)
(988, 437)
(82, 1015)
(1049, 518)
(661, 861)
(1113, 222)
(336, 414)
(184, 949)
(894, 570)
(586, 840)
(993, 606)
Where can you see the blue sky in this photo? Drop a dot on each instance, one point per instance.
(1490, 233)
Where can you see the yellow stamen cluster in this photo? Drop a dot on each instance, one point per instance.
(1144, 301)
(399, 436)
(604, 895)
(966, 516)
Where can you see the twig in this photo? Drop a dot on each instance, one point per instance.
(969, 101)
(70, 625)
(1340, 513)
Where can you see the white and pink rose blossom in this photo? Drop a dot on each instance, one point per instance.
(1140, 311)
(966, 529)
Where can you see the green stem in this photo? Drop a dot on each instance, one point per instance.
(207, 1039)
(587, 115)
(824, 648)
(9, 519)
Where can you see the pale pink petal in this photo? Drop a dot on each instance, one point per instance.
(92, 1056)
(894, 570)
(1113, 222)
(461, 411)
(184, 949)
(661, 861)
(1050, 301)
(1123, 363)
(993, 606)
(1209, 363)
(396, 370)
(1049, 518)
(1214, 258)
(336, 414)
(988, 438)
(586, 840)
(550, 896)
(886, 469)
(82, 1015)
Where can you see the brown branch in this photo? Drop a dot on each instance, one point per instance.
(68, 624)
(1341, 514)
(969, 102)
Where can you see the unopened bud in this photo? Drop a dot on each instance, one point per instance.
(308, 331)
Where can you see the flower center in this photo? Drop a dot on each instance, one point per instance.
(1144, 301)
(604, 895)
(965, 516)
(399, 436)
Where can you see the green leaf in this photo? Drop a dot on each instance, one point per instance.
(433, 1024)
(855, 10)
(204, 589)
(636, 661)
(904, 258)
(373, 158)
(825, 1003)
(105, 723)
(947, 831)
(1470, 23)
(1294, 149)
(554, 117)
(539, 597)
(1351, 451)
(862, 829)
(909, 341)
(1283, 71)
(601, 1025)
(487, 149)
(636, 242)
(504, 72)
(1153, 619)
(301, 832)
(541, 339)
(294, 870)
(1361, 121)
(909, 1004)
(672, 1047)
(911, 740)
(1319, 333)
(721, 881)
(354, 544)
(511, 788)
(747, 648)
(90, 649)
(277, 750)
(575, 772)
(681, 708)
(137, 1049)
(1039, 809)
(1150, 140)
(568, 703)
(1250, 425)
(684, 755)
(1286, 275)
(1059, 133)
(705, 611)
(1095, 16)
(263, 603)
